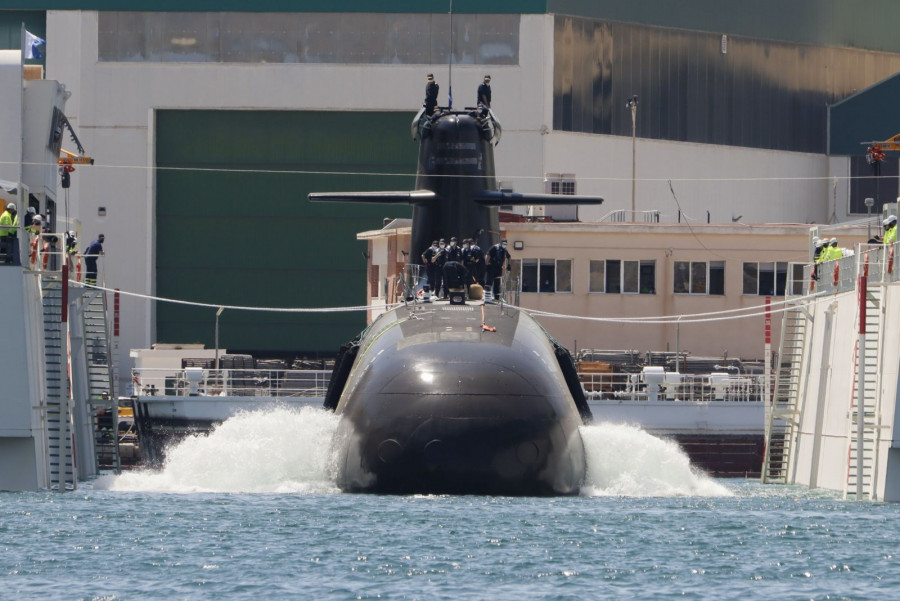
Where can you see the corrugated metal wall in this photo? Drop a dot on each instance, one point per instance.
(233, 225)
(757, 93)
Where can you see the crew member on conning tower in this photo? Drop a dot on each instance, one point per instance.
(431, 94)
(484, 92)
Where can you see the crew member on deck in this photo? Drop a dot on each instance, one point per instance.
(440, 257)
(454, 252)
(497, 256)
(431, 94)
(484, 93)
(456, 276)
(474, 261)
(428, 262)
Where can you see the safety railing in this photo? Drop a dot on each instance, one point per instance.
(878, 262)
(200, 382)
(676, 387)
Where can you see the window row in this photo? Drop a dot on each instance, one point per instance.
(615, 276)
(314, 37)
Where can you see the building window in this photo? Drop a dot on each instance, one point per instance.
(561, 184)
(765, 279)
(699, 277)
(613, 276)
(292, 37)
(546, 275)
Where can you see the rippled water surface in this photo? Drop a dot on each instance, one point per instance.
(250, 513)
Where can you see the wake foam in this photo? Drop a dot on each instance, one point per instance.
(277, 451)
(627, 461)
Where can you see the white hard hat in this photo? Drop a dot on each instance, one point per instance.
(37, 218)
(833, 241)
(890, 219)
(31, 210)
(819, 244)
(815, 239)
(11, 206)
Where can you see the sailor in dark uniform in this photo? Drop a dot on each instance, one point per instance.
(428, 262)
(456, 276)
(440, 257)
(497, 256)
(431, 94)
(474, 261)
(484, 93)
(454, 252)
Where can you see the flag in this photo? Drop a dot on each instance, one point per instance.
(31, 44)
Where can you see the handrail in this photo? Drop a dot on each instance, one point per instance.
(238, 382)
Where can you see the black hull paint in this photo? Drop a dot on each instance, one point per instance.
(435, 405)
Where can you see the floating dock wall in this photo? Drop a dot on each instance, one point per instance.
(827, 393)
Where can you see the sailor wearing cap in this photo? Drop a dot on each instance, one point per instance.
(431, 94)
(484, 92)
(454, 252)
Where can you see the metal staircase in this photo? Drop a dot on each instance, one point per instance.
(781, 427)
(102, 397)
(863, 438)
(58, 410)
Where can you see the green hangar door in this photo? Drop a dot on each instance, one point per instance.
(234, 227)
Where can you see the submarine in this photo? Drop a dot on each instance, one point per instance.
(474, 398)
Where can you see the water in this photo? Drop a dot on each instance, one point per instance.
(250, 513)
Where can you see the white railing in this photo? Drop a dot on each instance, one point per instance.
(197, 381)
(677, 387)
(628, 216)
(878, 262)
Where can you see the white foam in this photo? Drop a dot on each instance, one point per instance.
(627, 461)
(277, 450)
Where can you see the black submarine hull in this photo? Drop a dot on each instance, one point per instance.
(434, 404)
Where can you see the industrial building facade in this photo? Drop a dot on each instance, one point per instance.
(211, 123)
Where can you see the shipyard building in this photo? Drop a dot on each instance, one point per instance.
(210, 124)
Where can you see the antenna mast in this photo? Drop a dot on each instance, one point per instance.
(450, 61)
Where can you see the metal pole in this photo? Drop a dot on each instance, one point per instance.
(450, 61)
(860, 386)
(218, 313)
(869, 202)
(633, 103)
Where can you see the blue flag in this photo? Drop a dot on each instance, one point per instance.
(31, 45)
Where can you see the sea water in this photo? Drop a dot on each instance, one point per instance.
(250, 512)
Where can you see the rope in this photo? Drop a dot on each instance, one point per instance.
(499, 175)
(676, 319)
(238, 307)
(707, 317)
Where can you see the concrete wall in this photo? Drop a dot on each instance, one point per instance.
(23, 456)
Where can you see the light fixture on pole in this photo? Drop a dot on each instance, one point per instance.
(218, 313)
(869, 202)
(632, 104)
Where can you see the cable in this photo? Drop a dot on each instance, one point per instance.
(672, 319)
(238, 307)
(498, 176)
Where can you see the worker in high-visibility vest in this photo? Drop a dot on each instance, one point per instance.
(9, 221)
(890, 230)
(834, 251)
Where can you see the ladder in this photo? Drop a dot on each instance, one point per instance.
(101, 381)
(781, 427)
(861, 467)
(58, 410)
